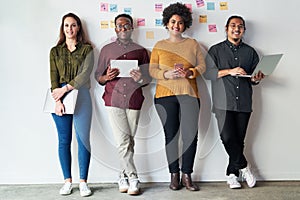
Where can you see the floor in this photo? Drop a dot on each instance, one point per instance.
(289, 190)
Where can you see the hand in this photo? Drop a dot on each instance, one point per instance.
(171, 74)
(136, 74)
(258, 77)
(236, 71)
(59, 92)
(59, 108)
(111, 73)
(184, 73)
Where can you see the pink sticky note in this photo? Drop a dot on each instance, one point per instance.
(141, 22)
(212, 28)
(200, 3)
(158, 7)
(189, 6)
(104, 7)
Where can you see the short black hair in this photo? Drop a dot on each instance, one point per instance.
(178, 9)
(124, 15)
(234, 17)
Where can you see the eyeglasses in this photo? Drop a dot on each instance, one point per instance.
(119, 27)
(233, 26)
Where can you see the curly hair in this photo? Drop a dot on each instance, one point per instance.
(178, 9)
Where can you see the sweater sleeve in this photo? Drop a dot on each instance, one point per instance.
(154, 69)
(201, 66)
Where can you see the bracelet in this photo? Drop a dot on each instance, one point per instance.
(67, 88)
(194, 73)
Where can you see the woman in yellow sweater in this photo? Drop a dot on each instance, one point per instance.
(175, 63)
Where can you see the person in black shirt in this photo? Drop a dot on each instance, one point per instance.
(232, 95)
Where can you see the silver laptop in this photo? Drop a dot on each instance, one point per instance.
(266, 65)
(69, 101)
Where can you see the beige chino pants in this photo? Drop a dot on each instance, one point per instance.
(124, 123)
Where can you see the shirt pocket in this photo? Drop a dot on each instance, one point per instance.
(78, 60)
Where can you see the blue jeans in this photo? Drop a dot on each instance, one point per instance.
(82, 124)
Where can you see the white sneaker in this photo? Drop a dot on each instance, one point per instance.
(133, 187)
(66, 189)
(233, 182)
(248, 176)
(84, 189)
(123, 185)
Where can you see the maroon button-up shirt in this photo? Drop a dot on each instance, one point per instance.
(123, 92)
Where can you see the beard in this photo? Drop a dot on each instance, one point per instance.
(236, 39)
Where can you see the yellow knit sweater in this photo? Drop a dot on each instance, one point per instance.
(163, 57)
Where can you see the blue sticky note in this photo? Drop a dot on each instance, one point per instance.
(158, 22)
(113, 7)
(127, 11)
(210, 5)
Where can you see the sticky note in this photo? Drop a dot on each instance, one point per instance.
(158, 22)
(141, 22)
(202, 18)
(210, 5)
(223, 6)
(200, 3)
(104, 24)
(158, 7)
(112, 24)
(212, 28)
(149, 35)
(189, 6)
(113, 8)
(127, 11)
(104, 7)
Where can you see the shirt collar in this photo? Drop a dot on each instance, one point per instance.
(231, 45)
(78, 45)
(122, 44)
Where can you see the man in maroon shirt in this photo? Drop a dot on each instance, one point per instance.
(123, 96)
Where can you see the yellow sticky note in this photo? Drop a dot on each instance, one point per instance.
(202, 18)
(104, 24)
(112, 24)
(149, 35)
(223, 6)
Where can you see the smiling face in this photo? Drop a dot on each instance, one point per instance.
(176, 25)
(235, 30)
(71, 28)
(123, 29)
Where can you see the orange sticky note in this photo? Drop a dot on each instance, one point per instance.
(202, 18)
(149, 35)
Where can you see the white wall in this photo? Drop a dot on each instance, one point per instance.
(28, 145)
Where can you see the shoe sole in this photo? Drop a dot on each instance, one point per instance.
(123, 190)
(85, 195)
(235, 187)
(133, 192)
(252, 184)
(68, 193)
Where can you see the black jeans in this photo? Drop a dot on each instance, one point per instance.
(179, 114)
(233, 126)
